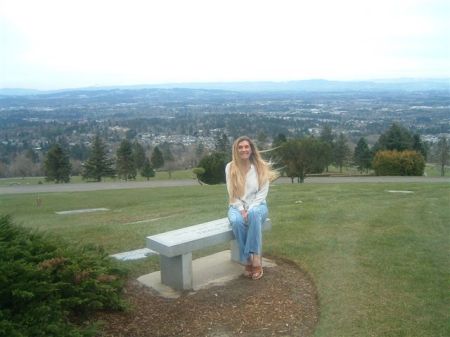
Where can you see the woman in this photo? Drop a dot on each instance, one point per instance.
(248, 177)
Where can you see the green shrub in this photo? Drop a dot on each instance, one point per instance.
(398, 163)
(214, 168)
(46, 285)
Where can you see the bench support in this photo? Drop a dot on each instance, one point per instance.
(176, 272)
(234, 251)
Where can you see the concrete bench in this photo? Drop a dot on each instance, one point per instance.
(175, 249)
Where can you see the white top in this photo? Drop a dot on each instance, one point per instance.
(253, 195)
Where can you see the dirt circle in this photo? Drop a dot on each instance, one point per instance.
(283, 303)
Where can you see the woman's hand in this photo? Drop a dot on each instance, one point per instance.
(244, 214)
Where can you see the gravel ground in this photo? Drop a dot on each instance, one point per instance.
(282, 303)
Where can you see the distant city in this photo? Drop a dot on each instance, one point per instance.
(187, 117)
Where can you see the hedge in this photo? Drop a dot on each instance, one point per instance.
(398, 163)
(47, 285)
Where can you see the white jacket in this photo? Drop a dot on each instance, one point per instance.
(253, 195)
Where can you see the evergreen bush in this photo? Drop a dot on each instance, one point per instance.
(46, 286)
(214, 168)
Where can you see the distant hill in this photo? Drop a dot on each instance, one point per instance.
(316, 85)
(19, 92)
(320, 85)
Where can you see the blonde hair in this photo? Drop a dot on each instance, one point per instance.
(237, 174)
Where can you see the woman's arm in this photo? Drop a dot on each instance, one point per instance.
(261, 195)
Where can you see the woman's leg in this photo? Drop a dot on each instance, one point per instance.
(240, 229)
(256, 216)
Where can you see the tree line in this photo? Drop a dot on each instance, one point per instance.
(130, 159)
(397, 152)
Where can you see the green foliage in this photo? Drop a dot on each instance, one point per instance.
(214, 166)
(44, 285)
(341, 151)
(395, 163)
(138, 155)
(166, 152)
(98, 164)
(362, 156)
(443, 153)
(279, 139)
(57, 165)
(147, 170)
(125, 166)
(198, 171)
(157, 159)
(379, 260)
(399, 138)
(303, 156)
(327, 136)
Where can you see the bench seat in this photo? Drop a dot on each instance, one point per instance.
(175, 249)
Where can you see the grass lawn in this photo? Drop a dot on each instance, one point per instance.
(160, 175)
(380, 259)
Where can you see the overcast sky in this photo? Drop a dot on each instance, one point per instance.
(50, 44)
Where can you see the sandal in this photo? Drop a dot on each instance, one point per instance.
(257, 272)
(248, 271)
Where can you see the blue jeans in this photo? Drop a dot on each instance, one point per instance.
(248, 234)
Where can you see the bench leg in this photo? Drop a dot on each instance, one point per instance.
(176, 272)
(234, 247)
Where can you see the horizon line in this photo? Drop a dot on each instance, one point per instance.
(181, 83)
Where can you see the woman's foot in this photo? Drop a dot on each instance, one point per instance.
(248, 270)
(257, 270)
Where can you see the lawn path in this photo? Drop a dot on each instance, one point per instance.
(80, 187)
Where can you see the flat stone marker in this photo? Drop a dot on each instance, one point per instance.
(85, 210)
(395, 191)
(134, 254)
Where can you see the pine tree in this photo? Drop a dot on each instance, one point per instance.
(157, 159)
(327, 136)
(138, 155)
(98, 164)
(443, 153)
(125, 166)
(341, 151)
(214, 168)
(57, 165)
(362, 155)
(147, 170)
(397, 137)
